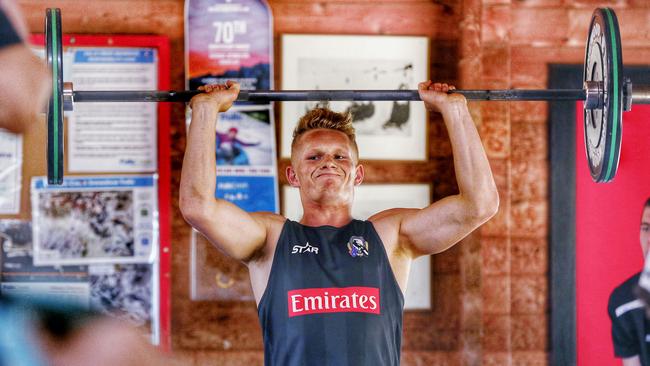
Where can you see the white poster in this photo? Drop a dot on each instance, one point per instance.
(11, 163)
(388, 130)
(112, 137)
(102, 219)
(370, 199)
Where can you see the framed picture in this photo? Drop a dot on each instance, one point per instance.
(370, 199)
(385, 130)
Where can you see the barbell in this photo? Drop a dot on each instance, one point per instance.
(606, 94)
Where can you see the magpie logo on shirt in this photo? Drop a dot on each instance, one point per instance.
(358, 246)
(297, 249)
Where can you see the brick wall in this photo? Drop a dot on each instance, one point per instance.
(490, 292)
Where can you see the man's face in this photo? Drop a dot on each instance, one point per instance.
(324, 166)
(644, 232)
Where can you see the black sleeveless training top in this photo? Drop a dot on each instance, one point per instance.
(331, 299)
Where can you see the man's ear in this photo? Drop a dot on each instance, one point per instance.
(360, 173)
(292, 178)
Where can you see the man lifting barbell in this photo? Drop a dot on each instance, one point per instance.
(339, 298)
(605, 92)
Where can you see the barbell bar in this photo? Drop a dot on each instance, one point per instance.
(605, 95)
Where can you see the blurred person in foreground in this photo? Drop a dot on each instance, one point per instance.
(45, 331)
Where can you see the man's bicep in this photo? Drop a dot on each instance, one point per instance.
(236, 232)
(437, 227)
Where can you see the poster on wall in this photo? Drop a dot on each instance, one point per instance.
(100, 219)
(385, 130)
(246, 164)
(112, 137)
(11, 163)
(233, 40)
(125, 291)
(229, 40)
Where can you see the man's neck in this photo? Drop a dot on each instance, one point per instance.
(326, 216)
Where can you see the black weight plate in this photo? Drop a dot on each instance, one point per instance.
(603, 127)
(54, 51)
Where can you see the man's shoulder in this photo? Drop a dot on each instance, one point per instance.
(623, 293)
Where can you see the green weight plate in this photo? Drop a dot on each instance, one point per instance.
(603, 126)
(54, 51)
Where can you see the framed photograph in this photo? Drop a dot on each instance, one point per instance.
(385, 130)
(370, 199)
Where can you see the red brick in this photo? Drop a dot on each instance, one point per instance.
(529, 332)
(539, 27)
(634, 24)
(529, 179)
(529, 295)
(529, 256)
(496, 255)
(529, 141)
(495, 129)
(529, 218)
(530, 63)
(529, 111)
(430, 358)
(360, 18)
(446, 262)
(439, 144)
(538, 3)
(496, 359)
(537, 358)
(495, 27)
(446, 300)
(496, 294)
(498, 329)
(217, 326)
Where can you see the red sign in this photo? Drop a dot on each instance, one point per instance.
(333, 300)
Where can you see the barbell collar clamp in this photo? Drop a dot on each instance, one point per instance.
(68, 96)
(594, 94)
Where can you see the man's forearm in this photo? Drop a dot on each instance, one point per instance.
(472, 168)
(198, 176)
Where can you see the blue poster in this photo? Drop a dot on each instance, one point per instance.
(246, 163)
(250, 193)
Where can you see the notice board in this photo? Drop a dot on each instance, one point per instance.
(103, 237)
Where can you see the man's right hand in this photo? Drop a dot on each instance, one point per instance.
(220, 95)
(436, 97)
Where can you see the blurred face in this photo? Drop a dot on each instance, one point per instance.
(24, 81)
(644, 232)
(24, 87)
(324, 167)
